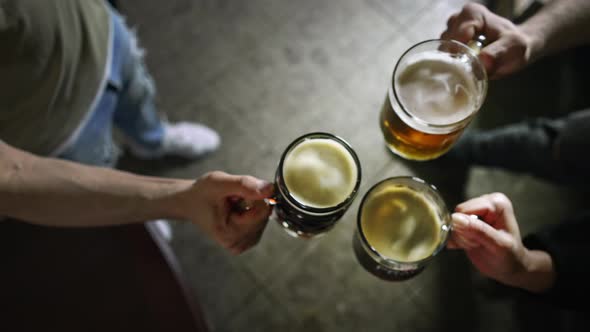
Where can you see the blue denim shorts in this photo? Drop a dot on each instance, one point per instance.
(126, 102)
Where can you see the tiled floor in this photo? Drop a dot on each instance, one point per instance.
(263, 72)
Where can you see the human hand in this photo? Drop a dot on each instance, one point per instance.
(486, 228)
(210, 203)
(509, 48)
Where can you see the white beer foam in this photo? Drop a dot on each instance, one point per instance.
(400, 224)
(437, 88)
(320, 173)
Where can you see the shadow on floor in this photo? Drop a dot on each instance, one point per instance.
(151, 167)
(534, 316)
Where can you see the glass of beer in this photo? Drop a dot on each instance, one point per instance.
(436, 88)
(317, 179)
(402, 224)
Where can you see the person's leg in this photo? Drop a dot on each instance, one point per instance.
(95, 145)
(554, 149)
(145, 132)
(114, 3)
(572, 147)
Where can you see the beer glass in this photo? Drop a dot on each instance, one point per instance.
(436, 88)
(304, 208)
(402, 224)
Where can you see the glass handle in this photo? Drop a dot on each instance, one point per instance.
(477, 44)
(241, 205)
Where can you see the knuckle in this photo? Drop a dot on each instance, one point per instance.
(232, 246)
(205, 177)
(211, 176)
(520, 40)
(506, 245)
(225, 243)
(500, 200)
(477, 226)
(514, 37)
(239, 250)
(234, 251)
(505, 24)
(246, 181)
(472, 8)
(220, 228)
(460, 208)
(225, 237)
(451, 20)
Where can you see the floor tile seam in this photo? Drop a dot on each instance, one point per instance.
(384, 13)
(298, 318)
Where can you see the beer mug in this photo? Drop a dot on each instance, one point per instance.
(436, 88)
(402, 224)
(317, 179)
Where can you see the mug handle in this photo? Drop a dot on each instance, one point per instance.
(477, 44)
(241, 205)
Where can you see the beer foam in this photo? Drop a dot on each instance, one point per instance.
(320, 173)
(437, 88)
(400, 224)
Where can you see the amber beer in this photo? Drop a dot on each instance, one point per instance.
(435, 91)
(411, 143)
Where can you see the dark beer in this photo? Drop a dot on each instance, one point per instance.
(317, 180)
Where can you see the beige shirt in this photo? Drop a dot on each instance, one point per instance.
(53, 59)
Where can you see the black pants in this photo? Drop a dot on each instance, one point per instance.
(557, 149)
(571, 146)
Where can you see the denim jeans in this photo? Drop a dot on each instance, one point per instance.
(127, 102)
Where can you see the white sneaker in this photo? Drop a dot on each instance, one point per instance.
(183, 139)
(164, 228)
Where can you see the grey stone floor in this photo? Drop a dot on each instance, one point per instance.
(263, 72)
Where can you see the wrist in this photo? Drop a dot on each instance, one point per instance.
(538, 274)
(535, 42)
(171, 201)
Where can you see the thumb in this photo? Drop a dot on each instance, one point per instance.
(475, 230)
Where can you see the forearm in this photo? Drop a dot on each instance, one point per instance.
(559, 25)
(539, 274)
(62, 193)
(569, 249)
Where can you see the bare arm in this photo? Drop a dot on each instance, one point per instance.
(539, 273)
(62, 193)
(559, 25)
